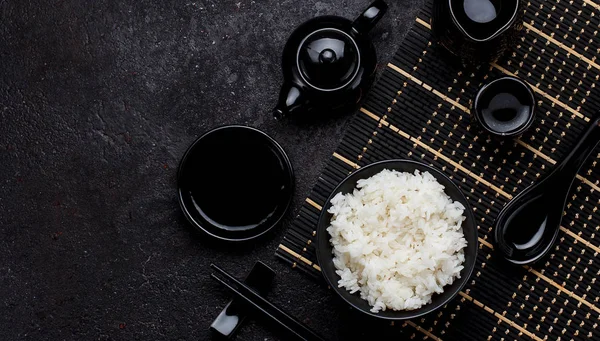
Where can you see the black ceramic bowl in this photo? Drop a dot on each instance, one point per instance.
(235, 183)
(324, 247)
(505, 106)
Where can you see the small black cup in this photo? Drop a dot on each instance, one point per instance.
(505, 106)
(477, 31)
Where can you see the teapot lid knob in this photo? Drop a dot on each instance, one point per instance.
(327, 56)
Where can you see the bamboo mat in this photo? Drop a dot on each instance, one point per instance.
(419, 109)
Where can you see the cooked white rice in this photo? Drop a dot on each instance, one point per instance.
(397, 239)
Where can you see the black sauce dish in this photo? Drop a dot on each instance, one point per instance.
(235, 183)
(505, 107)
(325, 249)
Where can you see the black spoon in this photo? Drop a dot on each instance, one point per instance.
(528, 225)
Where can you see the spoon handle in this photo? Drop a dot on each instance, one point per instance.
(568, 168)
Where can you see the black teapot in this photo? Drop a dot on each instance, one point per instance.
(328, 64)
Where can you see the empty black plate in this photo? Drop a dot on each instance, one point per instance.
(235, 183)
(324, 247)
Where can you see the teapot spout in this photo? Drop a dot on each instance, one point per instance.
(291, 100)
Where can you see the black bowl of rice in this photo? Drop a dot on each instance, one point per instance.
(397, 239)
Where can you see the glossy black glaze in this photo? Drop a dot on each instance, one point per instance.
(528, 225)
(235, 183)
(477, 31)
(505, 106)
(324, 247)
(328, 59)
(328, 65)
(235, 312)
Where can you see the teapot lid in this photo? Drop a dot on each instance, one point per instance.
(328, 59)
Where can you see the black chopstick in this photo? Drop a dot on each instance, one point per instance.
(269, 309)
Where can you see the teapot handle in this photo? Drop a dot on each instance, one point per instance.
(369, 17)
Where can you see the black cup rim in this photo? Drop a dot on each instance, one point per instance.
(522, 128)
(323, 246)
(259, 231)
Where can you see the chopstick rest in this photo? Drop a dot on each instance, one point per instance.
(233, 315)
(294, 327)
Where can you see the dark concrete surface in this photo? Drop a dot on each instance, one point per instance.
(98, 102)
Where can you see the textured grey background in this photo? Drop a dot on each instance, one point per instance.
(98, 102)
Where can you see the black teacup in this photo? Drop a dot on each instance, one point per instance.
(505, 106)
(477, 31)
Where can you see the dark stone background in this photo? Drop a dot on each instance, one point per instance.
(98, 102)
